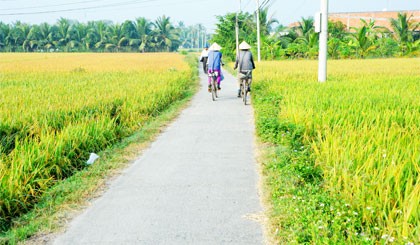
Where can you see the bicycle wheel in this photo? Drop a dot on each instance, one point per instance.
(244, 90)
(213, 89)
(216, 88)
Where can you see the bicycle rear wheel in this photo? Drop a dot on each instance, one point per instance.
(244, 91)
(213, 89)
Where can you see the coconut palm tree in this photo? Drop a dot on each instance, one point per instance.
(184, 35)
(79, 32)
(363, 41)
(5, 37)
(101, 34)
(305, 29)
(131, 35)
(144, 30)
(20, 36)
(266, 22)
(201, 30)
(403, 28)
(193, 36)
(306, 42)
(116, 40)
(91, 35)
(63, 34)
(33, 40)
(46, 36)
(165, 34)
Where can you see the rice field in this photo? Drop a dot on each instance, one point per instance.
(357, 135)
(55, 109)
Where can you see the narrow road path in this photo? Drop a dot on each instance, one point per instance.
(196, 184)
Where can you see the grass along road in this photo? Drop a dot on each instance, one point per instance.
(57, 108)
(344, 162)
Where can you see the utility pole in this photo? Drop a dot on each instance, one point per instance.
(204, 38)
(258, 31)
(237, 29)
(323, 39)
(199, 37)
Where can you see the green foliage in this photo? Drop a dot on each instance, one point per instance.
(140, 35)
(225, 32)
(48, 138)
(343, 163)
(300, 41)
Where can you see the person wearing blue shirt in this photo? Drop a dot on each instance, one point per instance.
(215, 63)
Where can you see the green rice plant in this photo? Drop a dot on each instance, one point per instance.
(360, 131)
(56, 109)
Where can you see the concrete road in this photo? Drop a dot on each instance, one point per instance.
(196, 184)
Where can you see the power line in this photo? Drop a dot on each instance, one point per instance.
(264, 3)
(82, 8)
(51, 5)
(116, 6)
(178, 2)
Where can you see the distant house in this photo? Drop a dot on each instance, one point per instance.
(381, 18)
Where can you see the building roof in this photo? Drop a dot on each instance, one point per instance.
(381, 18)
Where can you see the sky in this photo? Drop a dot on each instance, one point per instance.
(191, 12)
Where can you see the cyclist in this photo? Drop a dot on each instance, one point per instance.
(204, 56)
(215, 63)
(246, 64)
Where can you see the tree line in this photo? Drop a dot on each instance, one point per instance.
(140, 35)
(301, 40)
(161, 35)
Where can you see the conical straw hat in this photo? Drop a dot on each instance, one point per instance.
(244, 45)
(215, 47)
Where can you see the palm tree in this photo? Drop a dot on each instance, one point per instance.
(363, 41)
(201, 30)
(336, 29)
(28, 41)
(306, 42)
(63, 33)
(19, 36)
(101, 33)
(266, 22)
(92, 36)
(144, 30)
(46, 36)
(131, 36)
(193, 36)
(33, 40)
(116, 38)
(373, 30)
(305, 29)
(139, 35)
(225, 32)
(165, 35)
(184, 35)
(79, 32)
(5, 35)
(403, 29)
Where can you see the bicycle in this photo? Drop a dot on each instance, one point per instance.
(213, 85)
(205, 65)
(245, 77)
